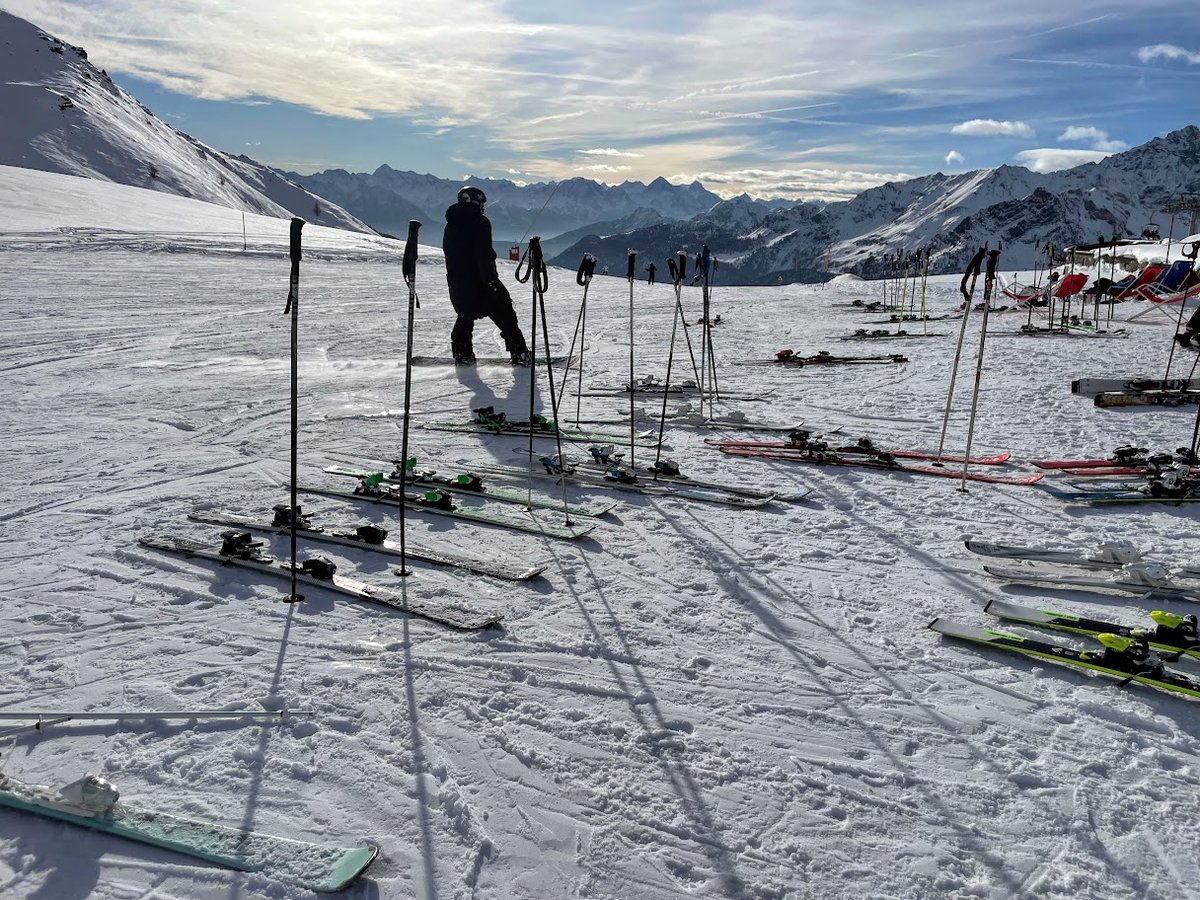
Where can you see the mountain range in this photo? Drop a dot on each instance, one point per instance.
(59, 113)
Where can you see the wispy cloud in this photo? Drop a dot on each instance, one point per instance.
(954, 158)
(1098, 138)
(1168, 51)
(704, 90)
(609, 151)
(988, 127)
(1052, 159)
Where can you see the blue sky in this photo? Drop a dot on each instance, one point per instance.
(790, 99)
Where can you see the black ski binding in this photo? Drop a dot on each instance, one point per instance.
(436, 500)
(318, 567)
(285, 515)
(241, 544)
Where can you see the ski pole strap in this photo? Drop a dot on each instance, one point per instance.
(587, 268)
(971, 273)
(631, 270)
(534, 266)
(294, 254)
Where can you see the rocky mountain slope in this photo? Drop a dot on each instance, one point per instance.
(59, 113)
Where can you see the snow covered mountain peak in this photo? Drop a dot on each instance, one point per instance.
(59, 113)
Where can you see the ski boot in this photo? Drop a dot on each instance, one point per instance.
(463, 354)
(524, 359)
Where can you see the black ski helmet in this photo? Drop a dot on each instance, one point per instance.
(472, 195)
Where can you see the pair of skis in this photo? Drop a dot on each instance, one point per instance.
(239, 550)
(93, 803)
(819, 453)
(487, 421)
(1123, 657)
(788, 358)
(1125, 571)
(469, 484)
(608, 472)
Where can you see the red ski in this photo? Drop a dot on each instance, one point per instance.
(875, 462)
(994, 459)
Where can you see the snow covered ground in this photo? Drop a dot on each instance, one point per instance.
(698, 701)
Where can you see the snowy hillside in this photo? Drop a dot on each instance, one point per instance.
(694, 701)
(59, 113)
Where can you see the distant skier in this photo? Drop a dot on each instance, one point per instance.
(476, 291)
(651, 269)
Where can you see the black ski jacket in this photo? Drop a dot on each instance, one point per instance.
(471, 261)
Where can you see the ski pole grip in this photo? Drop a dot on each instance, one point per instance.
(294, 248)
(972, 271)
(683, 258)
(674, 270)
(629, 272)
(409, 266)
(587, 268)
(993, 260)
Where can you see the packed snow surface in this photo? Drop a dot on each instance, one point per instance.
(697, 700)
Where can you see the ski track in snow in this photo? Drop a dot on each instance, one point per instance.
(696, 700)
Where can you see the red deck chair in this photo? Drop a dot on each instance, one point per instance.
(1070, 285)
(1146, 276)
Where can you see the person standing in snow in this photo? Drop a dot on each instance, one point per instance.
(476, 291)
(651, 269)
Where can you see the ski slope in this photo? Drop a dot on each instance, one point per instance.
(695, 701)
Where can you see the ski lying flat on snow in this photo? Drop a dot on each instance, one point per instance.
(396, 495)
(685, 390)
(1099, 661)
(1110, 399)
(863, 335)
(1127, 580)
(443, 613)
(705, 491)
(1123, 492)
(348, 538)
(994, 459)
(422, 479)
(824, 359)
(1180, 638)
(312, 866)
(1101, 558)
(486, 361)
(522, 429)
(868, 462)
(1093, 386)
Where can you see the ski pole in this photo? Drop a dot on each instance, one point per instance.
(679, 273)
(534, 273)
(583, 278)
(409, 270)
(989, 281)
(1179, 318)
(630, 273)
(711, 265)
(293, 308)
(43, 720)
(972, 273)
(540, 286)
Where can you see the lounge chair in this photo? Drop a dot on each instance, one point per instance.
(1168, 284)
(1146, 276)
